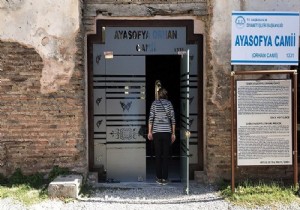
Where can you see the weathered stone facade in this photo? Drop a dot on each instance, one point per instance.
(218, 106)
(38, 130)
(42, 95)
(43, 74)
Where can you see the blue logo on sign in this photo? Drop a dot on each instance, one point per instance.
(240, 22)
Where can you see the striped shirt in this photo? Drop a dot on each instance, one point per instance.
(161, 113)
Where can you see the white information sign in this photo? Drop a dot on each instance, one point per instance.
(264, 122)
(264, 38)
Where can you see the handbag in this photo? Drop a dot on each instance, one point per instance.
(169, 117)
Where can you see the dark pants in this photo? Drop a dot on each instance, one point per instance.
(162, 142)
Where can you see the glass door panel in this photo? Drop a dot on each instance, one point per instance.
(184, 121)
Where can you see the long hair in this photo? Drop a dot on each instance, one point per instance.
(162, 93)
(157, 87)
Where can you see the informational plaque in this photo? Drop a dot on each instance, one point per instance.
(264, 38)
(264, 122)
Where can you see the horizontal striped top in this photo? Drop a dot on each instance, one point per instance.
(161, 112)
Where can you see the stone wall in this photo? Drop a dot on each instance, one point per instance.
(218, 107)
(98, 9)
(51, 28)
(42, 78)
(42, 87)
(38, 130)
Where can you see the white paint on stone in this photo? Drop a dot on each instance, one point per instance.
(11, 4)
(272, 5)
(48, 26)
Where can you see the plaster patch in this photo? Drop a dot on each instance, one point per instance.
(221, 72)
(11, 4)
(55, 74)
(50, 27)
(59, 66)
(45, 41)
(220, 49)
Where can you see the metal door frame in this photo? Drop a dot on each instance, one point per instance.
(98, 39)
(185, 119)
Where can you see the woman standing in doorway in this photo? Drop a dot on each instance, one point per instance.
(161, 129)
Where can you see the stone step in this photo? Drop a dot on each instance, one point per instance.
(66, 186)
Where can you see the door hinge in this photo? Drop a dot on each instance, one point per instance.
(181, 53)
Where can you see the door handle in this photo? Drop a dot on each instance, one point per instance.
(187, 134)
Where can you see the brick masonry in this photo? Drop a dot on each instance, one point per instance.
(38, 131)
(218, 105)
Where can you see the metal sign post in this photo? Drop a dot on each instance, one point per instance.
(264, 38)
(233, 117)
(295, 130)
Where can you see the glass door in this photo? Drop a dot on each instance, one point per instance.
(184, 121)
(119, 116)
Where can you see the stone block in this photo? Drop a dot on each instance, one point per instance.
(200, 177)
(66, 186)
(93, 177)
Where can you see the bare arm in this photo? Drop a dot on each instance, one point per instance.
(173, 138)
(150, 137)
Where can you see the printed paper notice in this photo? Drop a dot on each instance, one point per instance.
(264, 122)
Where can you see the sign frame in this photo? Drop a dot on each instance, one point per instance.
(264, 122)
(293, 76)
(264, 38)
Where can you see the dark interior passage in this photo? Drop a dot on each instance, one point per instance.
(165, 68)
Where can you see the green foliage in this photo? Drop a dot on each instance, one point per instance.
(86, 190)
(3, 179)
(259, 194)
(36, 180)
(23, 193)
(56, 171)
(28, 189)
(18, 178)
